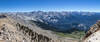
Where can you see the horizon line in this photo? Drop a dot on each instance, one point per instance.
(48, 11)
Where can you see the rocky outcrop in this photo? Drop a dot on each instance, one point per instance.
(33, 36)
(93, 35)
(12, 31)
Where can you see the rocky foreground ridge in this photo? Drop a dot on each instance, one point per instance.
(12, 30)
(93, 35)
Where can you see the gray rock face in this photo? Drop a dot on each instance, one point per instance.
(15, 32)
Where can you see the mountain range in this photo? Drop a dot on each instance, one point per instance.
(61, 21)
(39, 26)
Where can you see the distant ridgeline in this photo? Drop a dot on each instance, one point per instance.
(62, 21)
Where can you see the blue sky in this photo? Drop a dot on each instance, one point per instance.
(49, 5)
